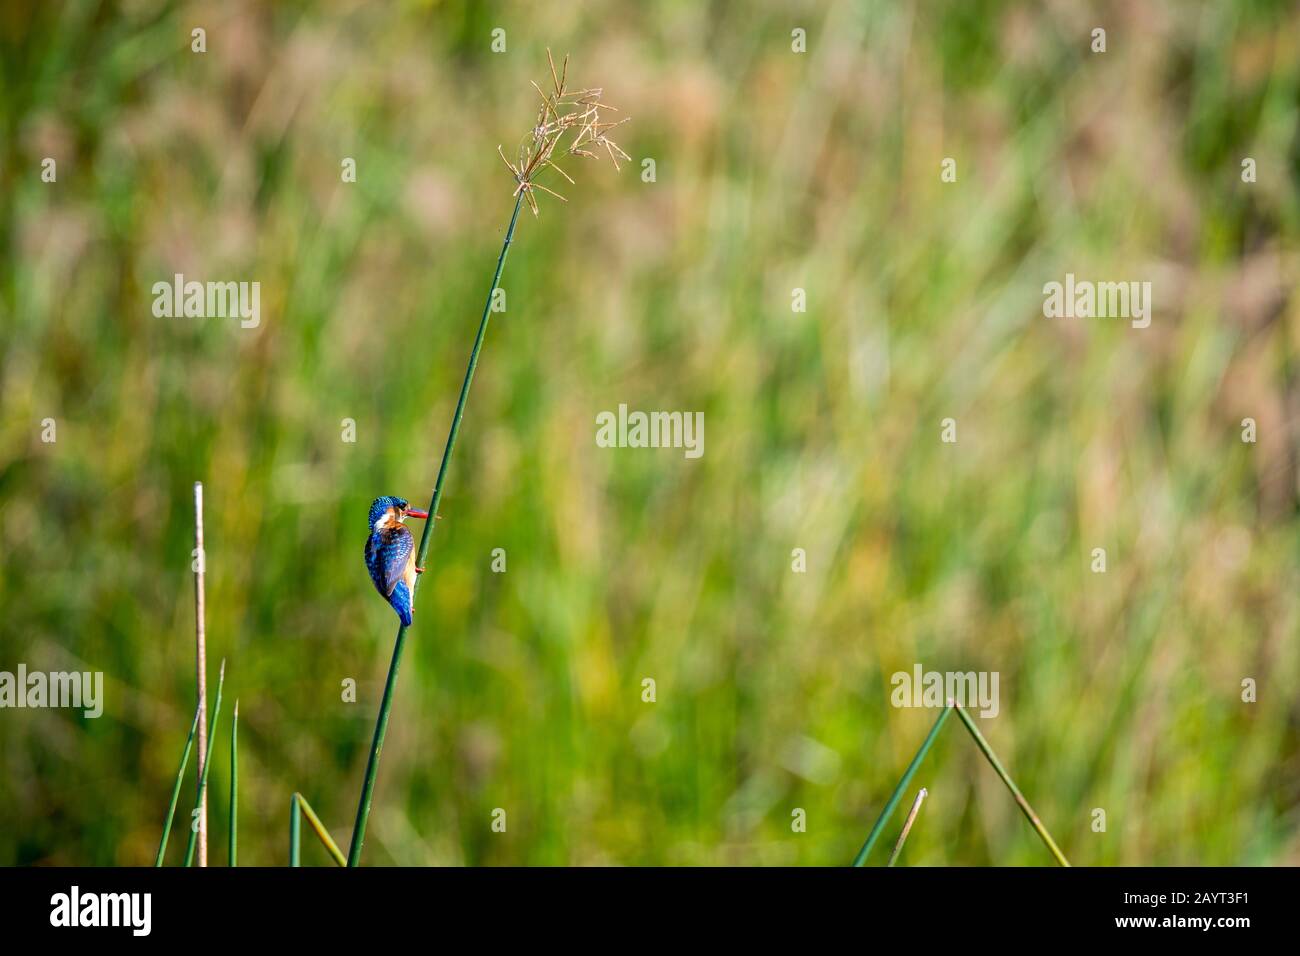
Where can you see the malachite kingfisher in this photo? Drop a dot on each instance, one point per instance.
(390, 553)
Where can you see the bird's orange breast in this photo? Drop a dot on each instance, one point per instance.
(408, 573)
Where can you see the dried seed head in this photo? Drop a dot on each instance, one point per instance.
(564, 113)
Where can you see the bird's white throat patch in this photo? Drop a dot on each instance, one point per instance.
(389, 519)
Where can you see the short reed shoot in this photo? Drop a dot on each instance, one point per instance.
(207, 766)
(176, 790)
(233, 834)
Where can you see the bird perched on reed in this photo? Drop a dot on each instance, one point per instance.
(390, 553)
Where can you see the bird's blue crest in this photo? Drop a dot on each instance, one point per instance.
(382, 504)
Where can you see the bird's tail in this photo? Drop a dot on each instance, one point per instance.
(400, 599)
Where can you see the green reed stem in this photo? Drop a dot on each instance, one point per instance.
(176, 790)
(234, 788)
(295, 830)
(385, 705)
(885, 814)
(1011, 785)
(907, 826)
(207, 766)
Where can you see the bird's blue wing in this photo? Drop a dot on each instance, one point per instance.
(400, 600)
(372, 561)
(387, 554)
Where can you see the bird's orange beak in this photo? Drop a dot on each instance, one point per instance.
(416, 513)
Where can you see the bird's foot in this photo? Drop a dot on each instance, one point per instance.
(419, 570)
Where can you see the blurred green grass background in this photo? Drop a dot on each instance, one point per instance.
(775, 171)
